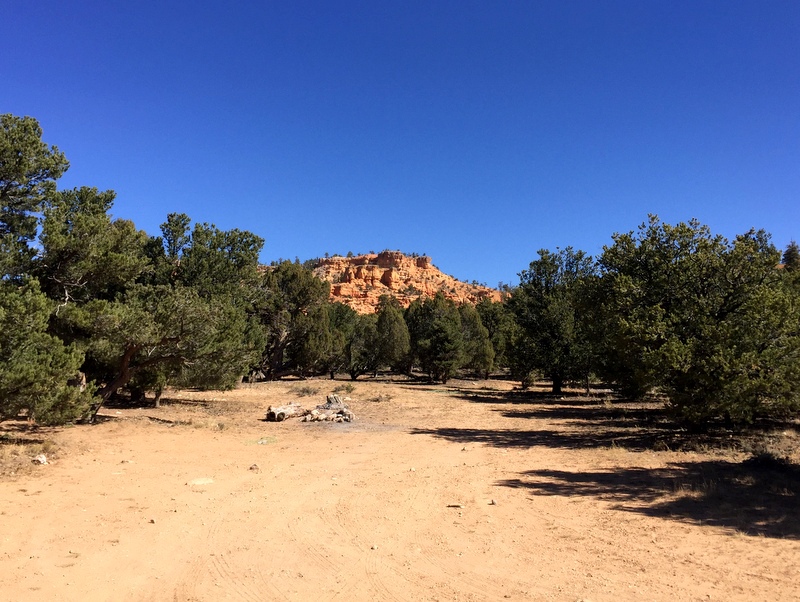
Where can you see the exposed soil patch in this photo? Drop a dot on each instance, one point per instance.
(469, 491)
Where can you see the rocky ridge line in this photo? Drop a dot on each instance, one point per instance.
(359, 281)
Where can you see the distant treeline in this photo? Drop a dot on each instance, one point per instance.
(91, 308)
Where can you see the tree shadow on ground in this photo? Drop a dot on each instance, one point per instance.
(618, 415)
(599, 420)
(118, 403)
(588, 422)
(756, 497)
(489, 396)
(657, 435)
(15, 432)
(15, 441)
(537, 397)
(597, 437)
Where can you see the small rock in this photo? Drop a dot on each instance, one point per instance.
(374, 547)
(40, 459)
(255, 468)
(493, 503)
(152, 521)
(201, 481)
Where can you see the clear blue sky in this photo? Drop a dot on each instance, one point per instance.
(475, 132)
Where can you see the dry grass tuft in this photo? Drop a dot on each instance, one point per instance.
(305, 390)
(18, 451)
(346, 388)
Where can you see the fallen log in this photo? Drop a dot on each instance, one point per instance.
(281, 413)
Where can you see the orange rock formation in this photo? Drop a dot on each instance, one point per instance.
(360, 281)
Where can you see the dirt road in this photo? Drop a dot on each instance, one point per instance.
(458, 492)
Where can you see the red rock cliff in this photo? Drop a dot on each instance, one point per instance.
(360, 281)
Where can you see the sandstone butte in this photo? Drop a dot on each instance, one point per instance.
(360, 281)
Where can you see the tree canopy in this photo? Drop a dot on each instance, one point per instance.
(791, 257)
(551, 308)
(28, 171)
(706, 320)
(708, 324)
(36, 367)
(436, 337)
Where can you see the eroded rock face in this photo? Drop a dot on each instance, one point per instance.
(361, 280)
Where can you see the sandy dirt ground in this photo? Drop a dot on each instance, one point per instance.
(460, 492)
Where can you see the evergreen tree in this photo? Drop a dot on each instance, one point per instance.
(134, 330)
(436, 338)
(35, 367)
(312, 341)
(85, 254)
(28, 171)
(342, 322)
(549, 309)
(175, 235)
(708, 321)
(392, 332)
(220, 262)
(500, 324)
(289, 291)
(363, 351)
(791, 257)
(478, 350)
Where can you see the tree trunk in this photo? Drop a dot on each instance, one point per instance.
(281, 413)
(275, 357)
(124, 375)
(558, 382)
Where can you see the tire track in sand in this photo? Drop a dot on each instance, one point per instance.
(214, 564)
(316, 526)
(431, 523)
(349, 514)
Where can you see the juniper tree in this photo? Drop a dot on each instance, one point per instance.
(392, 334)
(500, 324)
(133, 329)
(705, 319)
(342, 322)
(478, 350)
(549, 308)
(437, 341)
(289, 291)
(363, 352)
